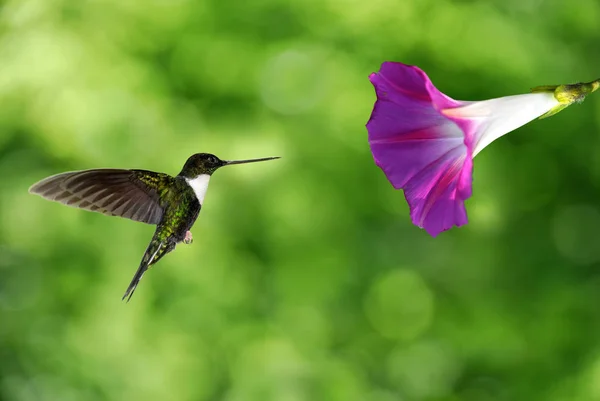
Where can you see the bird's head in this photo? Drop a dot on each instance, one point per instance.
(206, 163)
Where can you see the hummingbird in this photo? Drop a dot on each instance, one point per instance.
(170, 203)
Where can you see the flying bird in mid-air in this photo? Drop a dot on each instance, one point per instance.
(170, 203)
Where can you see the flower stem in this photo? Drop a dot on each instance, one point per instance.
(567, 94)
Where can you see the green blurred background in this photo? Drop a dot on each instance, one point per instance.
(306, 279)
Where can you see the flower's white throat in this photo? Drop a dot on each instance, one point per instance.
(199, 185)
(494, 118)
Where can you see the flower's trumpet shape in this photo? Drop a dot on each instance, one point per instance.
(425, 141)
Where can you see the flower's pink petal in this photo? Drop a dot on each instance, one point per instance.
(413, 83)
(419, 149)
(406, 130)
(436, 195)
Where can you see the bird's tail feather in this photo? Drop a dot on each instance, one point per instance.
(153, 253)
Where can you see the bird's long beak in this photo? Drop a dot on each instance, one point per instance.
(229, 162)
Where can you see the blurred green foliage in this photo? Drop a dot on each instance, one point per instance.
(306, 280)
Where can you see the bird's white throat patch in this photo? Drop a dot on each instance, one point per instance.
(199, 185)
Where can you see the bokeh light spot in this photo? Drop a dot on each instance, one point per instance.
(399, 305)
(272, 369)
(485, 212)
(292, 82)
(593, 380)
(423, 370)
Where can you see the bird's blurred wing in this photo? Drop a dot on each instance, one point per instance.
(132, 194)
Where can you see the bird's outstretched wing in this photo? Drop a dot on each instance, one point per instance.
(132, 194)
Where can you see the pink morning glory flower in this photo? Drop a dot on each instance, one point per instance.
(425, 141)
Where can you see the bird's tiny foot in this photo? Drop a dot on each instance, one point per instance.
(188, 238)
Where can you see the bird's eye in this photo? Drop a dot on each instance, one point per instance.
(212, 160)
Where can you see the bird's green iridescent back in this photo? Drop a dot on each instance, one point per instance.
(178, 200)
(181, 209)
